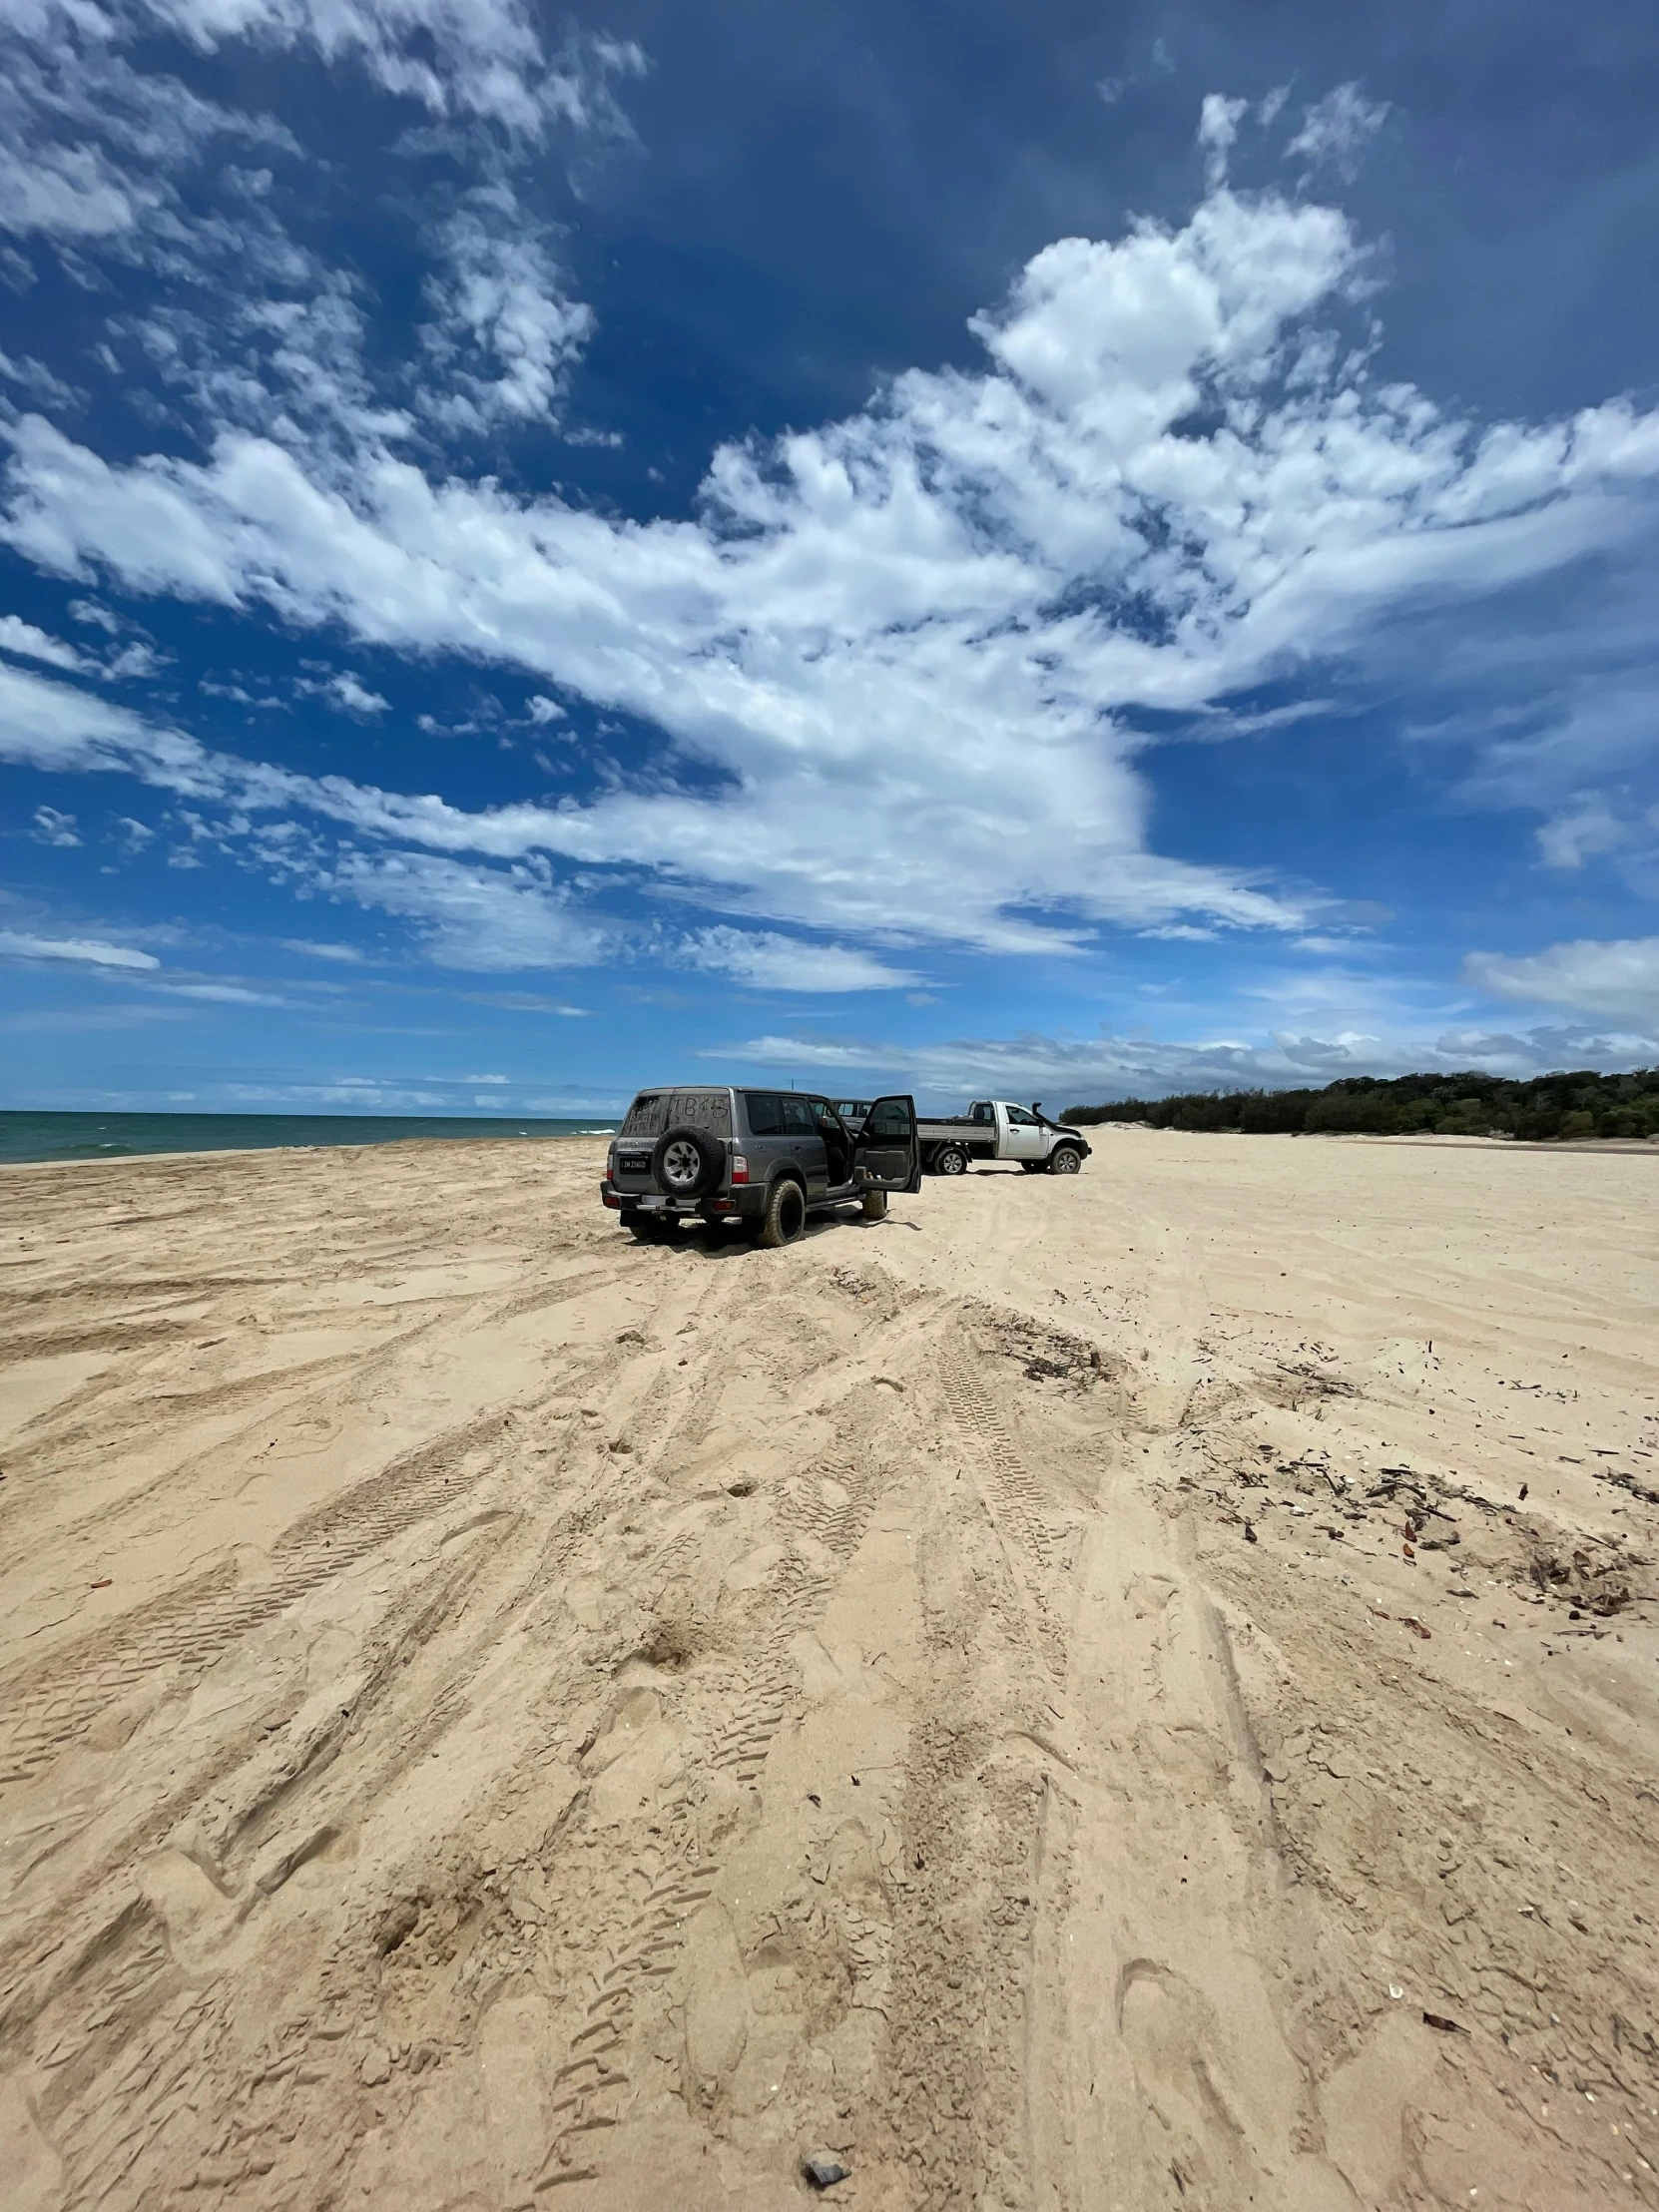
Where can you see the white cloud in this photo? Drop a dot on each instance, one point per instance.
(223, 995)
(480, 1079)
(90, 145)
(53, 827)
(526, 1002)
(544, 710)
(767, 961)
(354, 697)
(1070, 1071)
(910, 645)
(100, 154)
(468, 917)
(21, 944)
(1618, 979)
(133, 663)
(39, 383)
(1336, 130)
(30, 644)
(458, 58)
(1569, 840)
(1217, 127)
(344, 956)
(504, 332)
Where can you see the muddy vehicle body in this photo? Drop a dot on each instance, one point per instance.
(763, 1160)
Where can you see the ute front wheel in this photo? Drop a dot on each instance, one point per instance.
(1066, 1159)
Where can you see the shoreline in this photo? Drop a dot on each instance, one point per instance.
(260, 1151)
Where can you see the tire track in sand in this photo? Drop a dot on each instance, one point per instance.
(51, 1706)
(593, 2087)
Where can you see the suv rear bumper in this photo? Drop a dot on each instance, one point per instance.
(747, 1202)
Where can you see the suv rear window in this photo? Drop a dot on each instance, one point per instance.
(764, 1111)
(655, 1111)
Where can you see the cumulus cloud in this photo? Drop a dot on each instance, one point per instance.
(1617, 979)
(917, 636)
(504, 333)
(347, 692)
(900, 665)
(53, 827)
(30, 644)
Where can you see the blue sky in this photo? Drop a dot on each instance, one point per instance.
(1064, 550)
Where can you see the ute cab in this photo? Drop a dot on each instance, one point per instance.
(764, 1159)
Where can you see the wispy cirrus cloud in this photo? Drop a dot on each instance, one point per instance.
(87, 952)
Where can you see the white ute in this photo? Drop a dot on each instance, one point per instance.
(993, 1129)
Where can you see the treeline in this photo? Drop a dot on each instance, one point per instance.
(1544, 1109)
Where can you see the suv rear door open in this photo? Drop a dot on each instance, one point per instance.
(885, 1153)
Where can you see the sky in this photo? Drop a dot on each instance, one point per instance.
(1052, 550)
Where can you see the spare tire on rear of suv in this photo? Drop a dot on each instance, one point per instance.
(687, 1162)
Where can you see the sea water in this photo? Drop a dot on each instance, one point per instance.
(30, 1136)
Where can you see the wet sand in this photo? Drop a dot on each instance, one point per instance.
(1057, 1698)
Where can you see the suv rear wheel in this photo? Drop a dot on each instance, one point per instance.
(785, 1214)
(875, 1205)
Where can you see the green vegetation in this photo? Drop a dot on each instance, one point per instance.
(1545, 1109)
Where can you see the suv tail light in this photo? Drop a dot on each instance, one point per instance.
(739, 1167)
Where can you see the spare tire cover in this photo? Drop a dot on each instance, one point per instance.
(687, 1162)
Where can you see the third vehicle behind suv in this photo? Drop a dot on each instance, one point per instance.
(765, 1158)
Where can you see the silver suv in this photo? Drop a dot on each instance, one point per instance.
(762, 1159)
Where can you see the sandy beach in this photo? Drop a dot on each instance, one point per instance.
(1104, 1695)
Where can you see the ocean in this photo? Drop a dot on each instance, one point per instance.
(37, 1137)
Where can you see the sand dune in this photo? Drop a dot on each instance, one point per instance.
(1057, 1699)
